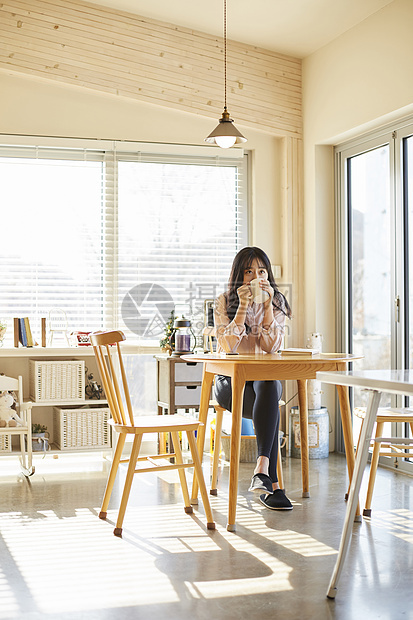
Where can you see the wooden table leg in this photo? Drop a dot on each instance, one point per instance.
(347, 426)
(303, 409)
(238, 385)
(207, 380)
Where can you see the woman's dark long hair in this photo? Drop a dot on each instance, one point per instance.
(242, 261)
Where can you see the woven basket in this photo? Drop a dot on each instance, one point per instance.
(5, 443)
(248, 453)
(56, 381)
(81, 428)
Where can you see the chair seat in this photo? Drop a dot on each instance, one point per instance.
(156, 424)
(14, 430)
(387, 414)
(398, 447)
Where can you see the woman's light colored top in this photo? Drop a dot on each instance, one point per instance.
(234, 339)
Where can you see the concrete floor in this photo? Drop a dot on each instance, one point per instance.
(58, 560)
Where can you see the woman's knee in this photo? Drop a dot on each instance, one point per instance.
(271, 390)
(223, 391)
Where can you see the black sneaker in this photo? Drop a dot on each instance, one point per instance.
(260, 482)
(276, 501)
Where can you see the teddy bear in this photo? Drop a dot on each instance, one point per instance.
(8, 415)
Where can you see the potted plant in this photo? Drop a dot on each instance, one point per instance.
(164, 343)
(40, 443)
(3, 329)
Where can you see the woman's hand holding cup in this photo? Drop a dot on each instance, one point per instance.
(261, 290)
(244, 295)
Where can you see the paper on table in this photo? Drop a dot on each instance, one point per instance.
(300, 352)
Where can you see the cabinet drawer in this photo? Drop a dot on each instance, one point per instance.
(187, 395)
(188, 371)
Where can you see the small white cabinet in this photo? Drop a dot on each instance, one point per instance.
(178, 383)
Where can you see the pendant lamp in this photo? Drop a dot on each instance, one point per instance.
(225, 134)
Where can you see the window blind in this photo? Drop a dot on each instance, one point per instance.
(51, 255)
(117, 238)
(181, 221)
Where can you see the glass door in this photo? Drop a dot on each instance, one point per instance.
(370, 265)
(408, 208)
(375, 275)
(405, 139)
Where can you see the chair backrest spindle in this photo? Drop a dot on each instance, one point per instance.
(103, 371)
(125, 385)
(102, 342)
(115, 385)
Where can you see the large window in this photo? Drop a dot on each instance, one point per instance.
(115, 237)
(375, 207)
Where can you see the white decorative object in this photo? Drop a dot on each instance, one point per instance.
(58, 324)
(314, 341)
(8, 416)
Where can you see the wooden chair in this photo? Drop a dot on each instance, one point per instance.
(24, 411)
(109, 359)
(385, 446)
(219, 414)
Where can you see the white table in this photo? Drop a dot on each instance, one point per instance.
(375, 382)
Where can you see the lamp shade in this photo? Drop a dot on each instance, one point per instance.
(225, 133)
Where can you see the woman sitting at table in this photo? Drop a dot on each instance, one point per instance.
(245, 324)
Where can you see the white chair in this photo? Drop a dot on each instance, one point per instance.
(24, 411)
(58, 324)
(398, 447)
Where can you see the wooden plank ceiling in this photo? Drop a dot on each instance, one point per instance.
(97, 48)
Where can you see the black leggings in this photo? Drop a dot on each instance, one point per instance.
(261, 405)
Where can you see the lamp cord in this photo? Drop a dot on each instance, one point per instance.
(225, 55)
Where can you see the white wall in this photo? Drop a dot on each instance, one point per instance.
(360, 81)
(34, 107)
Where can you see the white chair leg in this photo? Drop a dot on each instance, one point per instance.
(26, 456)
(361, 462)
(23, 459)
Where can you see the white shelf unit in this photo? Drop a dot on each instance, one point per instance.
(16, 361)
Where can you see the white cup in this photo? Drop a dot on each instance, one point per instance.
(258, 295)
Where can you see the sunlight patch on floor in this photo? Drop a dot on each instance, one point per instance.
(162, 551)
(252, 517)
(55, 464)
(398, 522)
(99, 570)
(9, 604)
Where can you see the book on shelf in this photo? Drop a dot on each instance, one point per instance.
(16, 329)
(30, 341)
(297, 352)
(22, 333)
